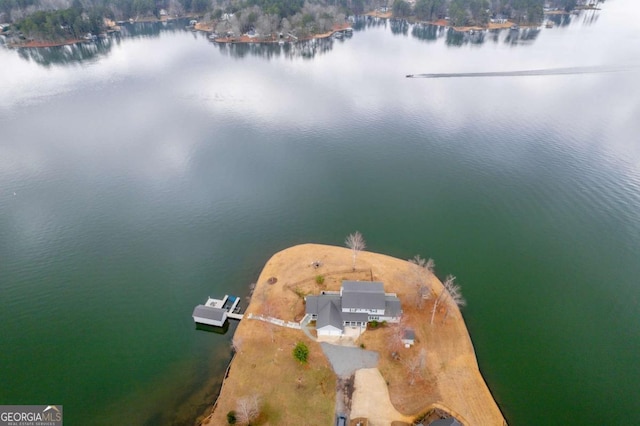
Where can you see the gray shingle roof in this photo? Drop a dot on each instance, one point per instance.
(362, 295)
(409, 334)
(355, 294)
(392, 306)
(214, 314)
(355, 316)
(330, 314)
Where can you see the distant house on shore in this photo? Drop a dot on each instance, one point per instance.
(356, 304)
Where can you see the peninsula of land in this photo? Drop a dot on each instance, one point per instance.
(437, 375)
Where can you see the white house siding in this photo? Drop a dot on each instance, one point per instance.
(329, 330)
(208, 321)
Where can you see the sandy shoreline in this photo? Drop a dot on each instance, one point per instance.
(263, 363)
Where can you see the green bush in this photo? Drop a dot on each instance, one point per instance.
(231, 417)
(301, 352)
(319, 279)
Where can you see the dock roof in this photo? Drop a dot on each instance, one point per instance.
(207, 312)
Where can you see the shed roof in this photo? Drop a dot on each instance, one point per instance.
(214, 314)
(409, 334)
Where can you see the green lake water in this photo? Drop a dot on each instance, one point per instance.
(139, 176)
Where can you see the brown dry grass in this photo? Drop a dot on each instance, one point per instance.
(294, 394)
(290, 393)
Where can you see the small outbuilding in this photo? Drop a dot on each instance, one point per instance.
(408, 338)
(209, 315)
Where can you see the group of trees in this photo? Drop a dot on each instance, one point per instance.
(306, 17)
(309, 19)
(450, 294)
(477, 12)
(61, 24)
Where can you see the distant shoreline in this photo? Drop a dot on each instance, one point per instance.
(273, 39)
(35, 44)
(207, 28)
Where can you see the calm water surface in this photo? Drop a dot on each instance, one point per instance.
(139, 177)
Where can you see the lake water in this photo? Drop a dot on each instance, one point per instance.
(139, 177)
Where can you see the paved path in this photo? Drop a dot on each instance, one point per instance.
(304, 325)
(371, 399)
(346, 360)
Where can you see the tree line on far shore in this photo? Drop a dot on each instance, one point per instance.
(60, 19)
(480, 12)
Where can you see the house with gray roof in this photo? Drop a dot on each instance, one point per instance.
(357, 303)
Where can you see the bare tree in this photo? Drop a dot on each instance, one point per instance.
(450, 293)
(455, 297)
(356, 243)
(285, 25)
(422, 359)
(423, 267)
(264, 26)
(248, 409)
(222, 27)
(236, 343)
(394, 341)
(413, 369)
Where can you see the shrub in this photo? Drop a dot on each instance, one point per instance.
(319, 279)
(301, 352)
(231, 417)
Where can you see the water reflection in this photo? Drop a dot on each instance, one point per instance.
(307, 49)
(399, 26)
(74, 53)
(88, 51)
(427, 32)
(560, 20)
(459, 38)
(521, 36)
(152, 29)
(302, 49)
(371, 22)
